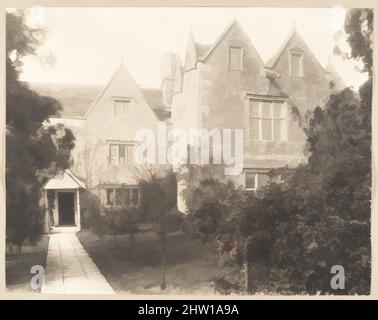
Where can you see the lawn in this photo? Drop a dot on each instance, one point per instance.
(18, 267)
(136, 270)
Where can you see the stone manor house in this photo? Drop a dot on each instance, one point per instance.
(220, 85)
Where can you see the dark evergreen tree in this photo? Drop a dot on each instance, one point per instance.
(34, 151)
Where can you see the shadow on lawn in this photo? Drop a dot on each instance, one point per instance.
(136, 269)
(18, 267)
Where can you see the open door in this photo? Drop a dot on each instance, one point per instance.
(66, 207)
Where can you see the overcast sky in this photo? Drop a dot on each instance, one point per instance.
(89, 43)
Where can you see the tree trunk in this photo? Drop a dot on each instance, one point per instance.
(246, 269)
(10, 248)
(163, 255)
(19, 246)
(131, 238)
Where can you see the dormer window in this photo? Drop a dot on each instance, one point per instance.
(121, 107)
(235, 62)
(296, 62)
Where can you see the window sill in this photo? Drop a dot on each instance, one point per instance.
(111, 206)
(235, 70)
(267, 141)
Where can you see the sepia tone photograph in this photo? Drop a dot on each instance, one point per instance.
(203, 151)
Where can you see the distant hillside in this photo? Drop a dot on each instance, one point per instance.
(75, 98)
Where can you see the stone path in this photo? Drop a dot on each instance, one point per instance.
(69, 268)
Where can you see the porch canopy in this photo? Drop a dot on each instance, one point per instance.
(65, 180)
(63, 206)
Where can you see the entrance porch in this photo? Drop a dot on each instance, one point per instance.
(62, 198)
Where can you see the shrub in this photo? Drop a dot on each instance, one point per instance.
(174, 220)
(119, 221)
(92, 215)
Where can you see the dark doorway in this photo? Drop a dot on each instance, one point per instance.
(66, 207)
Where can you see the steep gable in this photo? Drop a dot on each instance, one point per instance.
(233, 30)
(249, 75)
(201, 52)
(191, 56)
(294, 43)
(121, 108)
(300, 74)
(121, 85)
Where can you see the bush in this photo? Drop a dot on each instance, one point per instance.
(119, 221)
(92, 214)
(108, 221)
(174, 220)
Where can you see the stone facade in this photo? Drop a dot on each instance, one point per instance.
(224, 85)
(216, 94)
(103, 156)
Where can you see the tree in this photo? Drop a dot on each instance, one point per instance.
(159, 196)
(35, 151)
(359, 30)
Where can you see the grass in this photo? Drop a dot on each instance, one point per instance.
(136, 270)
(18, 267)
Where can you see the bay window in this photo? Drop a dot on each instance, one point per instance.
(123, 196)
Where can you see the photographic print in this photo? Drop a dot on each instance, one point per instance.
(202, 151)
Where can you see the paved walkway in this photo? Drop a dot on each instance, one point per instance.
(69, 268)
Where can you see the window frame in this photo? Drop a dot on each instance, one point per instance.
(129, 149)
(255, 180)
(241, 67)
(300, 61)
(123, 190)
(125, 102)
(256, 173)
(260, 117)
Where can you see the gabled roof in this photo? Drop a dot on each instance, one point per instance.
(154, 98)
(272, 61)
(64, 180)
(294, 33)
(78, 99)
(209, 49)
(202, 49)
(121, 72)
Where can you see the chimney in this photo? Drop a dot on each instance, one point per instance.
(168, 74)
